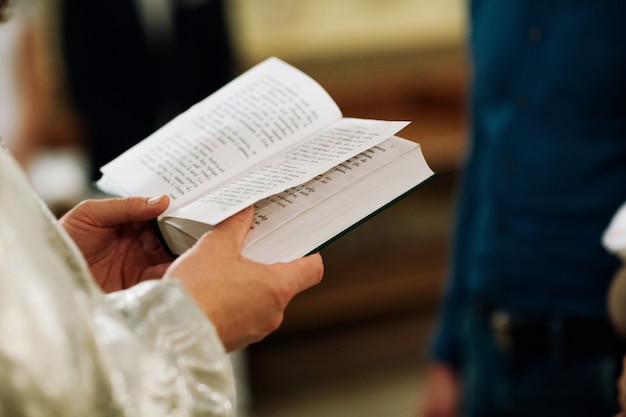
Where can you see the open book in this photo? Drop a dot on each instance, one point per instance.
(273, 138)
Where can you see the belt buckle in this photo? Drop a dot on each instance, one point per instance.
(500, 322)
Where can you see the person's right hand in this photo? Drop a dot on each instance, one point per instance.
(117, 240)
(244, 299)
(442, 392)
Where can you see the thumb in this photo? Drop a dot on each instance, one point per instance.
(237, 226)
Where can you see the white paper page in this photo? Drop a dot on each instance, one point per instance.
(322, 222)
(343, 140)
(263, 111)
(275, 210)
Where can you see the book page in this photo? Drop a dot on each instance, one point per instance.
(343, 140)
(322, 223)
(264, 111)
(273, 211)
(281, 214)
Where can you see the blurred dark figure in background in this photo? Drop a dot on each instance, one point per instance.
(132, 65)
(524, 328)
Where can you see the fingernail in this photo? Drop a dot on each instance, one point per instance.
(154, 201)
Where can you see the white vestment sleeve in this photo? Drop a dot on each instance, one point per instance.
(66, 349)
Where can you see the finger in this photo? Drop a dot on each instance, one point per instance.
(237, 226)
(114, 211)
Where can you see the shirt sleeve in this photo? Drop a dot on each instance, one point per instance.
(67, 349)
(182, 359)
(445, 346)
(614, 237)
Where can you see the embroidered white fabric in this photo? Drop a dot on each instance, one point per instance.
(67, 349)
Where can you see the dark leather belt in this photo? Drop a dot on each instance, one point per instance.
(553, 334)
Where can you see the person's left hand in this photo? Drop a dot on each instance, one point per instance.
(621, 390)
(117, 239)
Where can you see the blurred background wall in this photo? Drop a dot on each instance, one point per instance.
(307, 30)
(367, 53)
(355, 345)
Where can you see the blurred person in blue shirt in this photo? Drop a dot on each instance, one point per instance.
(523, 329)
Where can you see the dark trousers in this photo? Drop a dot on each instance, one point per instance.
(502, 381)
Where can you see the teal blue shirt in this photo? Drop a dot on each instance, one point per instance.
(547, 163)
